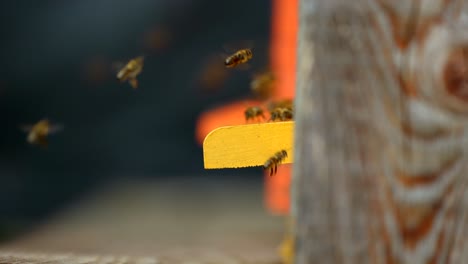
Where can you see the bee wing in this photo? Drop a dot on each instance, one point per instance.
(117, 66)
(223, 56)
(55, 128)
(25, 128)
(232, 47)
(229, 48)
(42, 141)
(133, 82)
(140, 59)
(249, 44)
(243, 67)
(119, 69)
(263, 74)
(269, 73)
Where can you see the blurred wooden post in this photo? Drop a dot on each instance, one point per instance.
(380, 172)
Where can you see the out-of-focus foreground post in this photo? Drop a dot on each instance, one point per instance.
(380, 172)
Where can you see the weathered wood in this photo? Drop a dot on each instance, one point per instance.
(198, 219)
(381, 132)
(34, 258)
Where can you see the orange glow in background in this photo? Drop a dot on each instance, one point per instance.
(283, 64)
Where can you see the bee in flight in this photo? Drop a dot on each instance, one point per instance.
(37, 133)
(273, 162)
(282, 114)
(239, 57)
(254, 112)
(263, 85)
(130, 71)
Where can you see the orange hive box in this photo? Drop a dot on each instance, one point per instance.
(283, 64)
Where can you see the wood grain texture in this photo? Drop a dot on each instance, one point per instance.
(381, 132)
(247, 145)
(35, 258)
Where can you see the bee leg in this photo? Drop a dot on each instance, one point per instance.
(276, 167)
(133, 82)
(42, 141)
(243, 66)
(271, 170)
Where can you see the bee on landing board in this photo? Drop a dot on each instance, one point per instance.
(273, 162)
(239, 57)
(282, 114)
(284, 103)
(37, 133)
(130, 71)
(254, 112)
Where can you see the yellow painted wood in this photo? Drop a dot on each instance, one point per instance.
(247, 145)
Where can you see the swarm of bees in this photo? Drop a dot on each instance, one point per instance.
(280, 113)
(263, 87)
(37, 133)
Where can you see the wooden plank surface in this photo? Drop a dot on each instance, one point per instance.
(381, 132)
(202, 219)
(36, 258)
(247, 145)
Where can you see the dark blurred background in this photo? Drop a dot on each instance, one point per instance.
(56, 63)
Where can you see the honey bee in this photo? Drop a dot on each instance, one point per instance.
(285, 103)
(37, 133)
(263, 85)
(131, 70)
(281, 114)
(286, 249)
(254, 112)
(239, 57)
(273, 162)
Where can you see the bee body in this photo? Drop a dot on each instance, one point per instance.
(254, 112)
(130, 71)
(35, 138)
(263, 85)
(284, 103)
(239, 57)
(37, 134)
(273, 162)
(282, 114)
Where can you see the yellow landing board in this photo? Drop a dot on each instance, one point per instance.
(247, 145)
